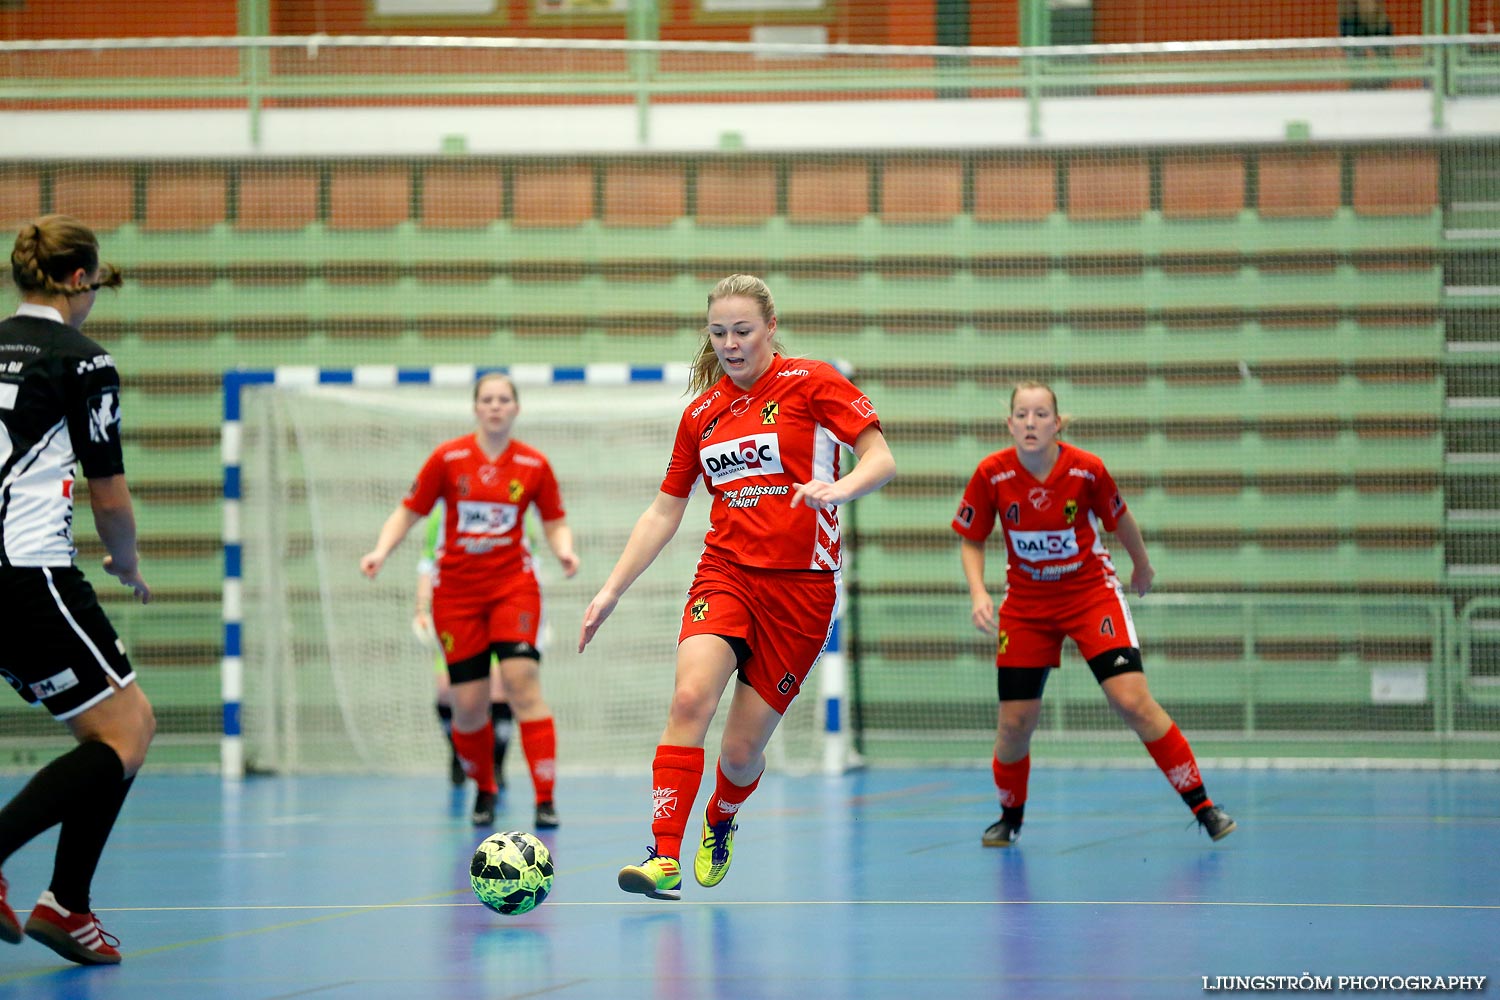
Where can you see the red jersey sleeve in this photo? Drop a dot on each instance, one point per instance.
(683, 469)
(840, 407)
(1108, 503)
(549, 502)
(427, 488)
(976, 511)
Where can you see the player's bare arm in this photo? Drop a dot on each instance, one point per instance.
(114, 520)
(560, 541)
(1141, 574)
(396, 526)
(981, 608)
(652, 531)
(875, 467)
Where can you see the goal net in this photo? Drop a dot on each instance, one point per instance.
(334, 678)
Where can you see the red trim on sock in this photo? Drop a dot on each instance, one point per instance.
(1175, 758)
(1011, 780)
(539, 742)
(676, 774)
(476, 751)
(727, 797)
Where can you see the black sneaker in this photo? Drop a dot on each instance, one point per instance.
(1217, 823)
(484, 808)
(546, 816)
(1001, 833)
(456, 776)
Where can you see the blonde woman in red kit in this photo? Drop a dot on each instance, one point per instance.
(762, 434)
(1053, 503)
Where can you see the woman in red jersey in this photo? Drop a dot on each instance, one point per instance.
(486, 600)
(1053, 503)
(762, 433)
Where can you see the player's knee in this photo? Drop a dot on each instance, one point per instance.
(1015, 728)
(691, 704)
(738, 757)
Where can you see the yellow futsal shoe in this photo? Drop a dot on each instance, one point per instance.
(659, 877)
(715, 852)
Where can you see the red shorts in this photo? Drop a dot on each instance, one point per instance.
(1032, 627)
(784, 616)
(467, 621)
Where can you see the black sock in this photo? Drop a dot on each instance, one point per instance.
(80, 843)
(1195, 797)
(1013, 815)
(82, 775)
(500, 718)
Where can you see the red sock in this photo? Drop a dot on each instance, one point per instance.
(1010, 780)
(1175, 758)
(539, 741)
(676, 774)
(727, 797)
(476, 751)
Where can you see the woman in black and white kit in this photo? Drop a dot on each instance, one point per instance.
(60, 411)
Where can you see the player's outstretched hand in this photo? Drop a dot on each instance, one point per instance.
(370, 563)
(130, 578)
(598, 610)
(816, 494)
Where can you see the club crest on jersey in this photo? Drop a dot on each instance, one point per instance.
(756, 455)
(699, 609)
(489, 475)
(769, 411)
(515, 490)
(1070, 510)
(1001, 643)
(1040, 497)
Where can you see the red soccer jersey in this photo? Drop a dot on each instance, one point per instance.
(749, 448)
(485, 503)
(1052, 529)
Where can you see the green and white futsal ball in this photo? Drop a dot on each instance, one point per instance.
(511, 872)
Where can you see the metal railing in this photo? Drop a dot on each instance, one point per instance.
(252, 72)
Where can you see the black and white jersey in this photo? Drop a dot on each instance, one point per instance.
(59, 409)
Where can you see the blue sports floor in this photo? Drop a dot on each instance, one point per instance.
(868, 886)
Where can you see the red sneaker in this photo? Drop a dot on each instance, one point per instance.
(75, 936)
(10, 927)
